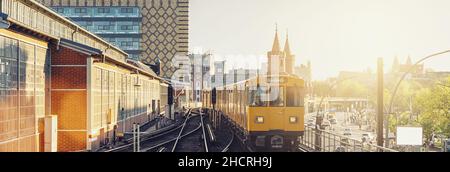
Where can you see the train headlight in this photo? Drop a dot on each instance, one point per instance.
(259, 119)
(293, 119)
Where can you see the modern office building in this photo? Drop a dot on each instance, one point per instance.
(118, 25)
(238, 75)
(305, 72)
(163, 26)
(201, 77)
(218, 79)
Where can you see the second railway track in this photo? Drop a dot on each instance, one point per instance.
(193, 135)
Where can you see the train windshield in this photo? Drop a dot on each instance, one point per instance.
(294, 97)
(257, 96)
(276, 96)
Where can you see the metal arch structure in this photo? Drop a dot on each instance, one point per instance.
(406, 74)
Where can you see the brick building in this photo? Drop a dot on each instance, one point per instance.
(51, 68)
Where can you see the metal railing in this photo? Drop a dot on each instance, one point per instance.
(332, 142)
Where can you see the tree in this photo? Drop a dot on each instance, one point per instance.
(321, 89)
(352, 88)
(433, 107)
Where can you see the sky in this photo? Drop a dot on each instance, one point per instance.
(335, 35)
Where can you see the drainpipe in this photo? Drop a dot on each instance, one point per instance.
(58, 41)
(73, 33)
(104, 52)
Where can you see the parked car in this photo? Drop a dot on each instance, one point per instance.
(367, 137)
(333, 121)
(347, 132)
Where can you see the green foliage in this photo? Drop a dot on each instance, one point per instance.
(321, 89)
(433, 106)
(351, 88)
(422, 103)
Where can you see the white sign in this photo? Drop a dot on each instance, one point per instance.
(411, 136)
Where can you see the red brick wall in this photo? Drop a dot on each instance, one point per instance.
(69, 97)
(69, 77)
(66, 56)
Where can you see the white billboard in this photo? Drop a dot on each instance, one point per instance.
(411, 136)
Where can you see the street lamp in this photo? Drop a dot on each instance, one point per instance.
(400, 81)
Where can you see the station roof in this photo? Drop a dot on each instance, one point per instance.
(34, 16)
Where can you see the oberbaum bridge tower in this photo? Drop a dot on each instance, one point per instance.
(280, 62)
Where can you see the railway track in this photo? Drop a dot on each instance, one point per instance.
(215, 141)
(189, 127)
(147, 140)
(190, 136)
(227, 147)
(205, 140)
(194, 141)
(303, 149)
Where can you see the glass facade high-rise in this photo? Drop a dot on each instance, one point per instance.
(163, 26)
(118, 25)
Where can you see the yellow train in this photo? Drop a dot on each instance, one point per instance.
(268, 112)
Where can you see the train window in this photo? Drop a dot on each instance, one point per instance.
(294, 97)
(276, 96)
(257, 96)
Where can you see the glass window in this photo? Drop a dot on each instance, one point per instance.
(126, 10)
(103, 27)
(104, 10)
(3, 72)
(2, 46)
(276, 96)
(126, 27)
(111, 39)
(294, 97)
(126, 43)
(257, 96)
(80, 10)
(60, 10)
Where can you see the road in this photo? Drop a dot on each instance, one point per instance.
(342, 125)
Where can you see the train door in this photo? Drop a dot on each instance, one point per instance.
(238, 103)
(246, 100)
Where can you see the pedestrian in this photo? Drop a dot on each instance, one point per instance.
(432, 139)
(114, 135)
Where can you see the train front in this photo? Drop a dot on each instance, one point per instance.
(276, 111)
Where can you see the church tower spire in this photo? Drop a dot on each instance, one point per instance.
(276, 58)
(276, 42)
(287, 48)
(289, 57)
(409, 61)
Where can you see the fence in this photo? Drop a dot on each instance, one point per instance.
(325, 141)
